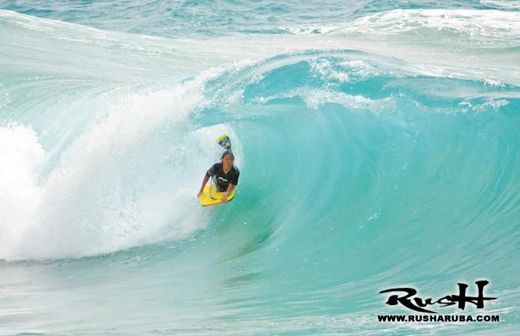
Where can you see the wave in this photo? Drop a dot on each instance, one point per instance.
(104, 145)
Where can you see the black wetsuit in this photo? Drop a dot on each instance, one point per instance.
(223, 180)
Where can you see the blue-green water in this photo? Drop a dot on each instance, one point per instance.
(378, 143)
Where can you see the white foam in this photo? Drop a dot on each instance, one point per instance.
(508, 4)
(20, 156)
(473, 23)
(315, 98)
(106, 194)
(324, 69)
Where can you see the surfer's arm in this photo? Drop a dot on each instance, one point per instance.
(228, 191)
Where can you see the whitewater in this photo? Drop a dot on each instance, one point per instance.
(378, 144)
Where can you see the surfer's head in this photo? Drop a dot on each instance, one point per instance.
(227, 158)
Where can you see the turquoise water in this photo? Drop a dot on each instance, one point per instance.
(378, 143)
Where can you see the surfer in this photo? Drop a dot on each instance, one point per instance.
(225, 175)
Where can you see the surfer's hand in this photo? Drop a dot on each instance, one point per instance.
(224, 197)
(200, 193)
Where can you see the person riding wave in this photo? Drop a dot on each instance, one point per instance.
(225, 175)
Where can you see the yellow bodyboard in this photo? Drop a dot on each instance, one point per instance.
(210, 195)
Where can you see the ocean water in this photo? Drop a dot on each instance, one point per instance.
(378, 144)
